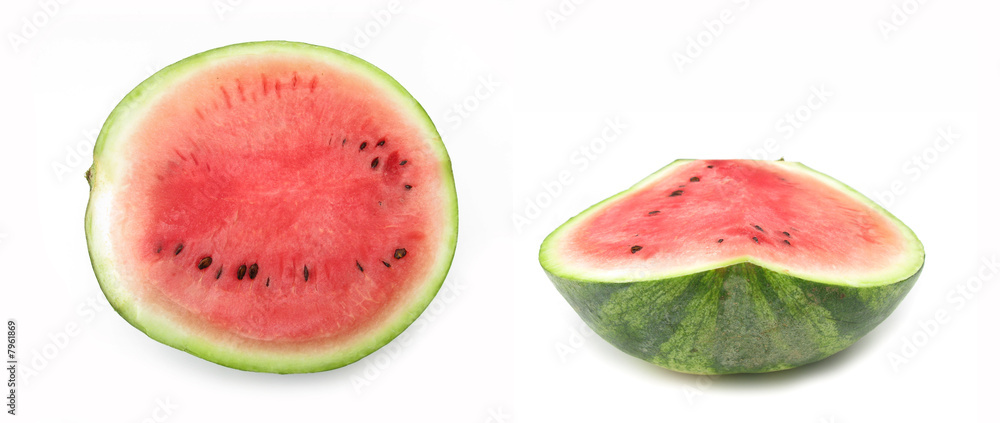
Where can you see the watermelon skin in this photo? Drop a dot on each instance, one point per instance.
(164, 323)
(740, 314)
(741, 318)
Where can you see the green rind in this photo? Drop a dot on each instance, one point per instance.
(169, 331)
(740, 318)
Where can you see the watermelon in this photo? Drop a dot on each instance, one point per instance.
(733, 266)
(271, 206)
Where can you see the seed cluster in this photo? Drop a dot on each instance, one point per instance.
(375, 162)
(785, 233)
(253, 270)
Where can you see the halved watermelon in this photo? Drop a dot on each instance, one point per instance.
(271, 206)
(733, 266)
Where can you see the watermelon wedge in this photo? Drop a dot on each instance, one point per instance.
(272, 206)
(733, 266)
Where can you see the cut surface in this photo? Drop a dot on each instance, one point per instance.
(699, 215)
(271, 206)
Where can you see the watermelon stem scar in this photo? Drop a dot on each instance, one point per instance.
(224, 220)
(707, 280)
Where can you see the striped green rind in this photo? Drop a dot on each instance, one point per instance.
(741, 318)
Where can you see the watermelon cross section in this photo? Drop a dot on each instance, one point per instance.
(271, 206)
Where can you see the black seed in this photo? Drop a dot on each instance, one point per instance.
(681, 186)
(178, 249)
(407, 186)
(399, 253)
(305, 272)
(695, 179)
(403, 162)
(710, 166)
(344, 142)
(758, 228)
(359, 266)
(204, 263)
(363, 145)
(676, 193)
(720, 240)
(380, 143)
(787, 234)
(756, 240)
(253, 271)
(786, 242)
(268, 283)
(219, 273)
(636, 248)
(654, 212)
(375, 163)
(241, 272)
(158, 249)
(386, 263)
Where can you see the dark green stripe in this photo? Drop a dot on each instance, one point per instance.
(737, 319)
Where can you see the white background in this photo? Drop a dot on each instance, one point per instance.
(536, 83)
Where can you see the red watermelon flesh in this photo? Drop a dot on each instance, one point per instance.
(271, 206)
(706, 212)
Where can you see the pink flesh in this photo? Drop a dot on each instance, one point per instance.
(716, 218)
(260, 161)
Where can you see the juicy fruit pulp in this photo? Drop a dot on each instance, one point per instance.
(271, 206)
(732, 266)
